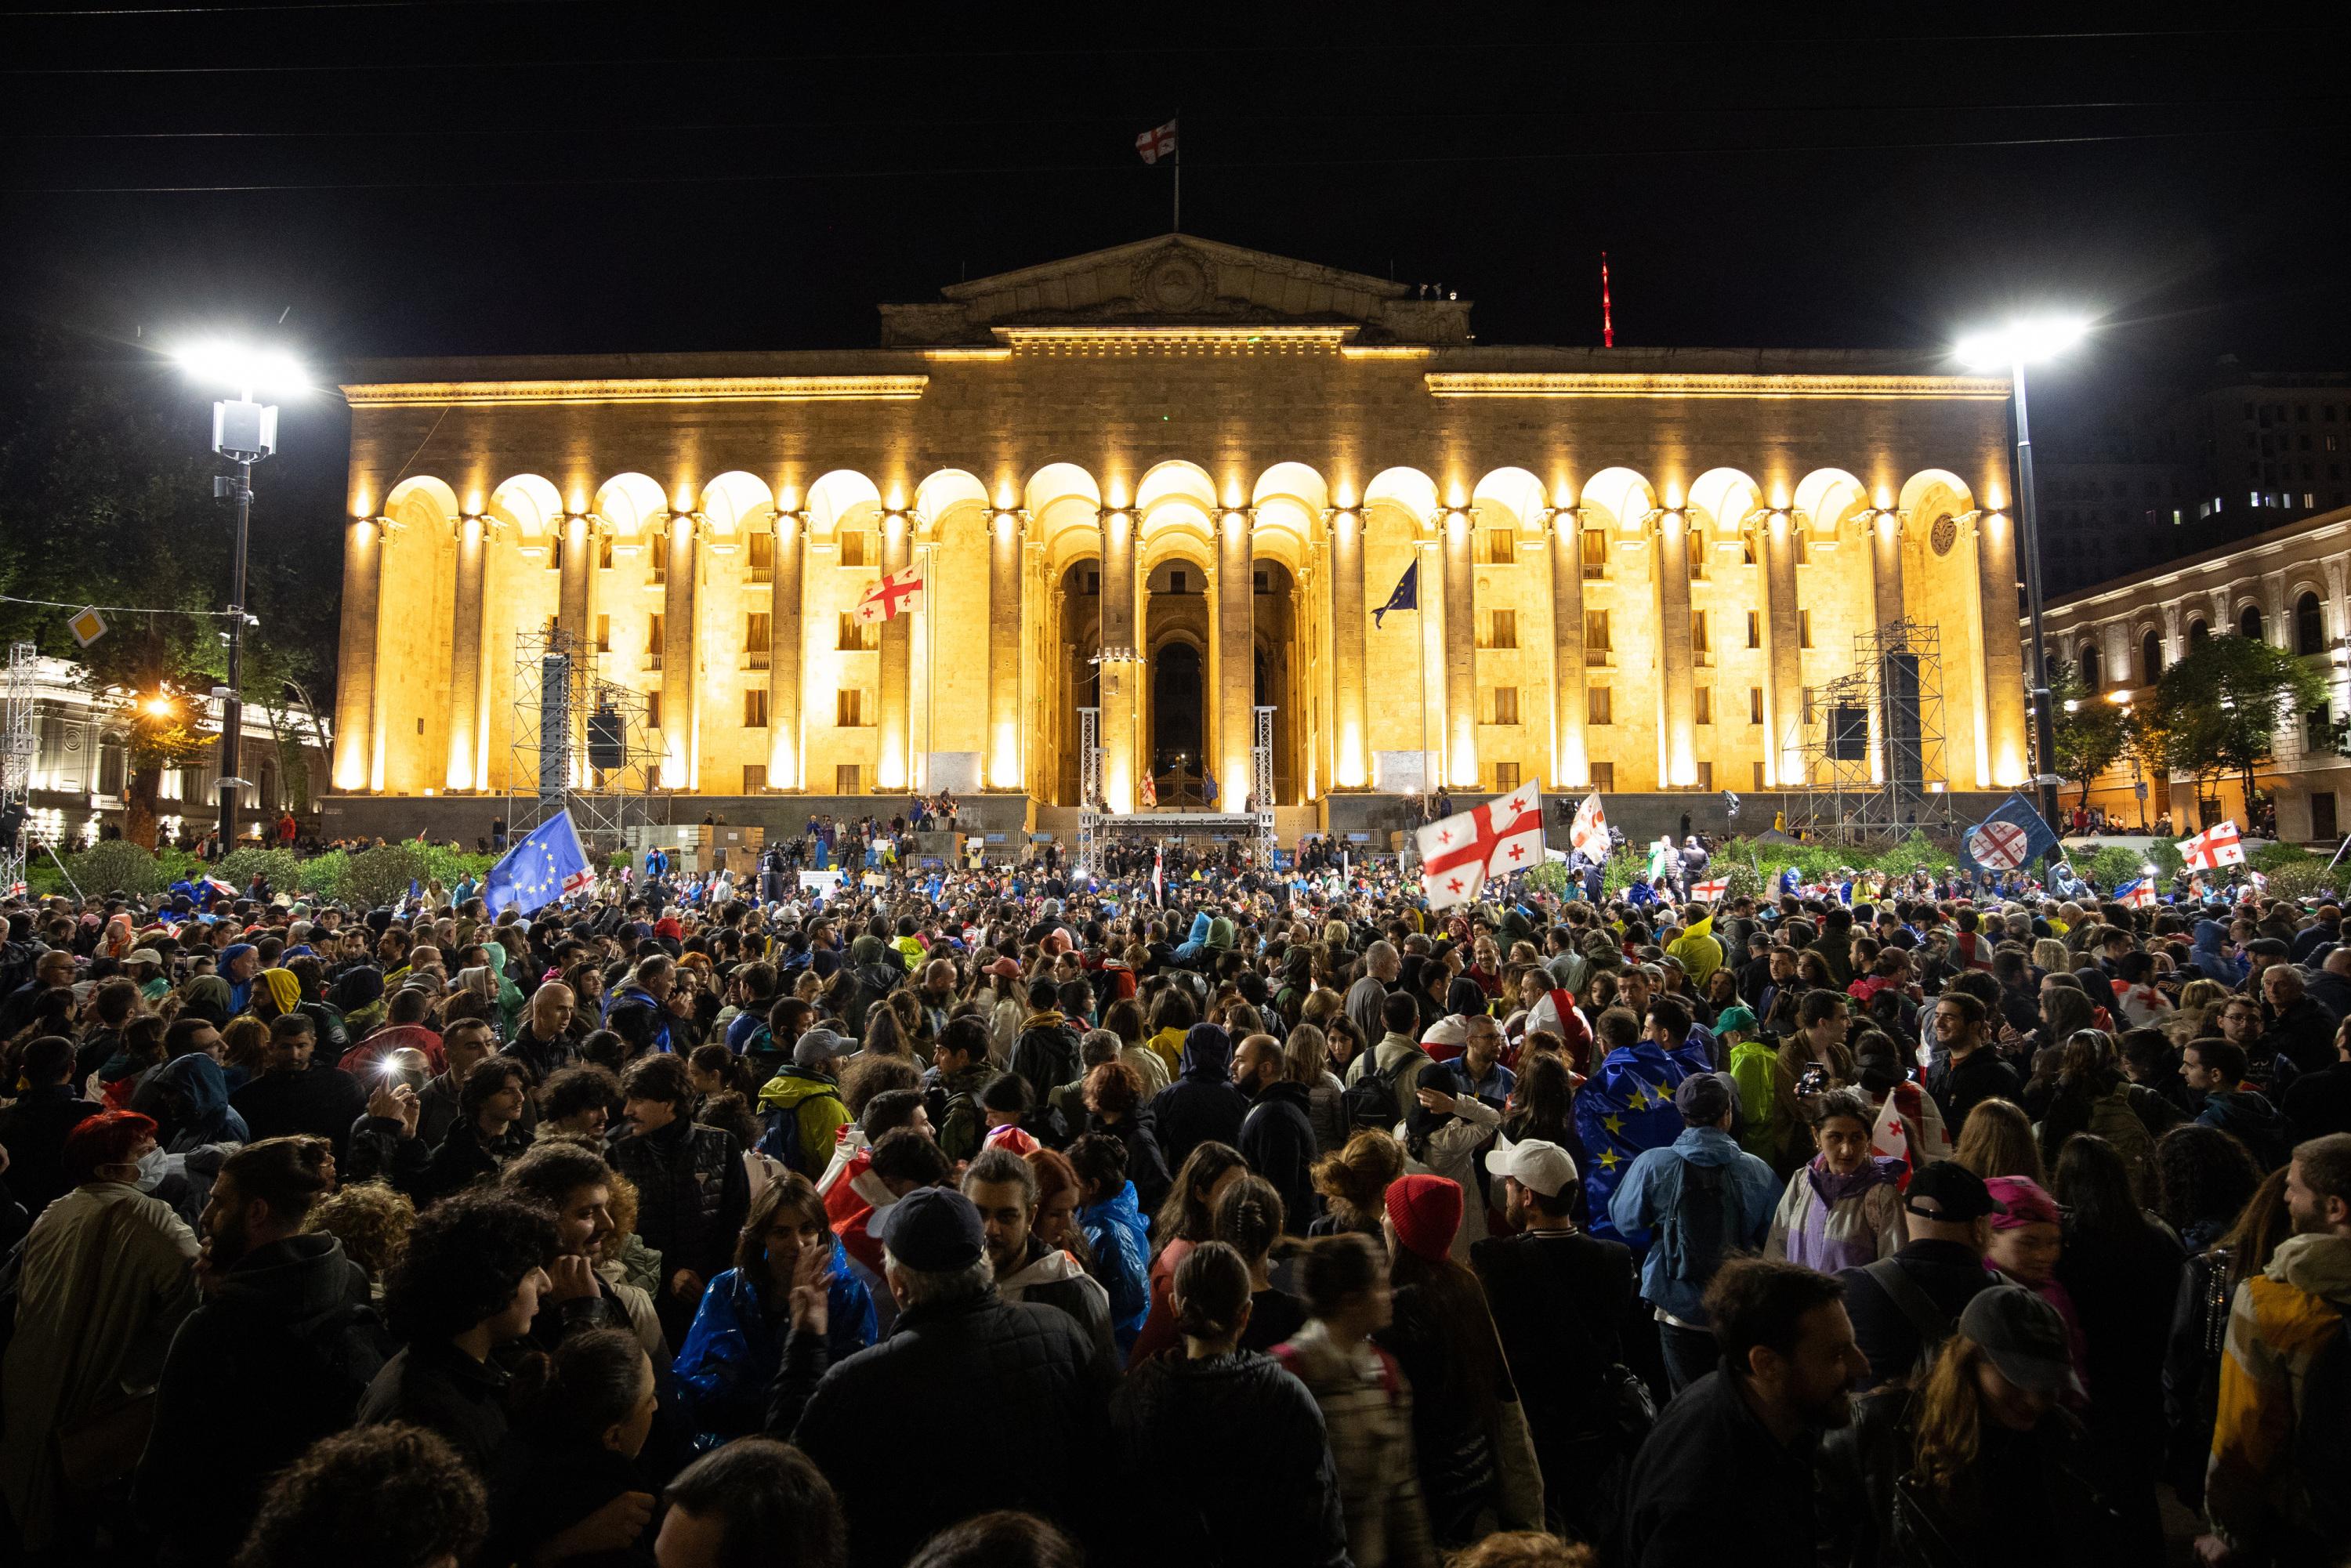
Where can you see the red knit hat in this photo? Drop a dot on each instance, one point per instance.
(1425, 1211)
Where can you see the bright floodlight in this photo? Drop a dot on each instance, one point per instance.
(247, 369)
(2022, 342)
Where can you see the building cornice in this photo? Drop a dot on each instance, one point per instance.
(694, 388)
(1596, 385)
(2211, 568)
(1259, 339)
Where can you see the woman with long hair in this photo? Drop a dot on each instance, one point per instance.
(1306, 1057)
(2200, 1322)
(1185, 1218)
(1478, 1468)
(1353, 1183)
(1996, 1140)
(2204, 1177)
(1844, 1208)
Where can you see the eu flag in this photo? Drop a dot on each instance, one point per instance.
(546, 865)
(1625, 1109)
(1407, 595)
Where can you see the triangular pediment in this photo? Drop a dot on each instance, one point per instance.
(1178, 280)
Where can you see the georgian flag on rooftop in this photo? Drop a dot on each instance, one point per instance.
(1157, 143)
(892, 596)
(1460, 852)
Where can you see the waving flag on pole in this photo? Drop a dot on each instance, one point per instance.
(1158, 875)
(1407, 595)
(1150, 793)
(1156, 143)
(548, 863)
(1589, 832)
(2011, 837)
(1460, 852)
(2215, 847)
(1707, 892)
(2137, 894)
(891, 597)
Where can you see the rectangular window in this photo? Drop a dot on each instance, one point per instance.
(604, 633)
(1501, 705)
(853, 546)
(761, 567)
(2317, 728)
(755, 648)
(604, 551)
(658, 547)
(1755, 704)
(1706, 774)
(1757, 785)
(1702, 705)
(1700, 648)
(1747, 549)
(652, 642)
(755, 777)
(653, 710)
(1803, 628)
(848, 779)
(1500, 629)
(2322, 803)
(1596, 709)
(849, 709)
(1496, 547)
(755, 709)
(1754, 629)
(555, 553)
(1603, 776)
(1175, 582)
(1595, 636)
(858, 636)
(1595, 554)
(1695, 553)
(1506, 778)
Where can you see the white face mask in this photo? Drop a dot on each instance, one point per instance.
(152, 1166)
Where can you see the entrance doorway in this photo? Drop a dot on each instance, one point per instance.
(1175, 710)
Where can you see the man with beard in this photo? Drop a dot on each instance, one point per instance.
(1003, 1186)
(574, 1183)
(284, 1313)
(1741, 1443)
(2271, 1479)
(299, 1091)
(1278, 1134)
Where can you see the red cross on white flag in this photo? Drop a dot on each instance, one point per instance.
(894, 595)
(2215, 847)
(1460, 852)
(1156, 144)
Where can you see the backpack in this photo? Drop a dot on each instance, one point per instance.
(1371, 1100)
(783, 1140)
(2112, 1118)
(1699, 1224)
(2321, 1435)
(1927, 1320)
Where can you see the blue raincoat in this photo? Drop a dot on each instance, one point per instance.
(1114, 1228)
(735, 1349)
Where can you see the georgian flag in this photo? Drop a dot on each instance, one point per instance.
(891, 597)
(1459, 853)
(1710, 890)
(1158, 143)
(1589, 831)
(2138, 894)
(2216, 846)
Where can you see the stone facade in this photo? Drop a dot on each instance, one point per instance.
(1173, 479)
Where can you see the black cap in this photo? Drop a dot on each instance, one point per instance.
(1703, 1099)
(935, 1230)
(1947, 1190)
(2025, 1338)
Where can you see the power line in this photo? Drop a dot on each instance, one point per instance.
(115, 609)
(122, 11)
(771, 178)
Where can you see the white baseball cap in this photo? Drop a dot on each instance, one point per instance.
(1537, 1163)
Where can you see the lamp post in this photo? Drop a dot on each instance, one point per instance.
(244, 430)
(2014, 346)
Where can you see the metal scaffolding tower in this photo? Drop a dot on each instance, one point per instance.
(17, 745)
(580, 743)
(1875, 760)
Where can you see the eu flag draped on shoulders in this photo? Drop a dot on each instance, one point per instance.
(2011, 837)
(545, 865)
(1624, 1110)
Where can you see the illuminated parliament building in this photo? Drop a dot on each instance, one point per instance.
(1160, 497)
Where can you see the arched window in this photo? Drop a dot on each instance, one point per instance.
(2151, 659)
(2248, 622)
(2309, 625)
(2091, 667)
(2196, 634)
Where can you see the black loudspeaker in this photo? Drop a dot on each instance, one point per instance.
(608, 745)
(1905, 754)
(1849, 734)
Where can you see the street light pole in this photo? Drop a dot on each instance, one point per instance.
(2044, 731)
(233, 705)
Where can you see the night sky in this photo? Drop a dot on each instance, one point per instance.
(569, 175)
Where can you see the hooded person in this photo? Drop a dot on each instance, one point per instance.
(275, 991)
(1202, 1105)
(236, 957)
(2208, 957)
(358, 995)
(211, 999)
(804, 1108)
(192, 1101)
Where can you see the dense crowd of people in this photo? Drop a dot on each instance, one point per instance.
(1009, 1220)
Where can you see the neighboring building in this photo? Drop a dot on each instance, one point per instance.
(1162, 487)
(79, 765)
(2288, 585)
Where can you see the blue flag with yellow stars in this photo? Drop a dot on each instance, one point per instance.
(548, 863)
(1407, 595)
(1625, 1109)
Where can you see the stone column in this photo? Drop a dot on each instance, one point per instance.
(468, 709)
(2004, 649)
(355, 734)
(1886, 566)
(1571, 759)
(1119, 670)
(1352, 757)
(1004, 564)
(1459, 746)
(1235, 669)
(681, 651)
(893, 726)
(787, 743)
(1677, 754)
(1784, 689)
(576, 602)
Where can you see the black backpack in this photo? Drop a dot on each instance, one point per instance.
(2322, 1435)
(1371, 1100)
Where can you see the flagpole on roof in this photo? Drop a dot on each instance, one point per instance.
(1175, 225)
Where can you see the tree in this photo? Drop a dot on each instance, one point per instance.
(2221, 707)
(2088, 730)
(2143, 748)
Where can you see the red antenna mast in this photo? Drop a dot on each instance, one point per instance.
(1607, 327)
